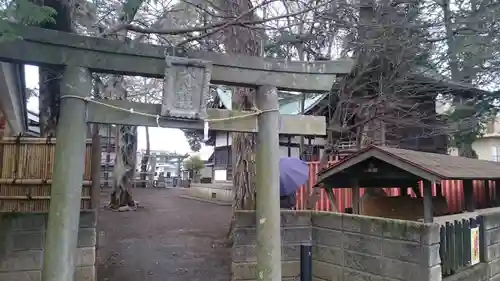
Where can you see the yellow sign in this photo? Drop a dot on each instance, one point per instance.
(474, 237)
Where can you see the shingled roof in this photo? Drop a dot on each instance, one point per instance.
(430, 166)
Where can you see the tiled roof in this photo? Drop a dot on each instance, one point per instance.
(448, 166)
(441, 166)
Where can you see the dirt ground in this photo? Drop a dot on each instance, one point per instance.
(170, 238)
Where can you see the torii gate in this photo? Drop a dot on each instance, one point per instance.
(183, 107)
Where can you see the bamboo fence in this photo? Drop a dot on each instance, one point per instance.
(26, 174)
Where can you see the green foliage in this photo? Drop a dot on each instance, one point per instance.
(22, 11)
(194, 139)
(194, 163)
(468, 123)
(30, 13)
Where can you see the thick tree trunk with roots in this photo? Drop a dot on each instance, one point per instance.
(124, 171)
(126, 148)
(126, 137)
(245, 41)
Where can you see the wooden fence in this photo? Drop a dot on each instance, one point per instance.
(452, 190)
(26, 174)
(460, 245)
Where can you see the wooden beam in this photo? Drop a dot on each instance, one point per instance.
(355, 197)
(43, 46)
(428, 209)
(403, 191)
(487, 196)
(468, 190)
(338, 182)
(497, 193)
(289, 124)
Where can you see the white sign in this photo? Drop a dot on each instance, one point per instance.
(474, 243)
(112, 157)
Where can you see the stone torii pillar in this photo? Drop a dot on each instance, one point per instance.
(267, 188)
(66, 190)
(41, 46)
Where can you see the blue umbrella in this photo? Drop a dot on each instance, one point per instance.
(293, 174)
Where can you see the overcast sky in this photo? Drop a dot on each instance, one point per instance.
(172, 140)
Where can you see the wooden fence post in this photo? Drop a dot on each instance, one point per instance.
(65, 194)
(268, 192)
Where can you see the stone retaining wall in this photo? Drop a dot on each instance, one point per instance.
(345, 247)
(350, 247)
(213, 191)
(22, 238)
(296, 229)
(491, 245)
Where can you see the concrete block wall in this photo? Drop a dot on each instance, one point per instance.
(211, 192)
(491, 245)
(296, 229)
(349, 247)
(22, 238)
(345, 247)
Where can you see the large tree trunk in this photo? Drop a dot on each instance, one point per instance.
(245, 41)
(126, 148)
(50, 76)
(145, 161)
(123, 174)
(126, 137)
(463, 139)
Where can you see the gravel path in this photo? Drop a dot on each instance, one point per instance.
(170, 238)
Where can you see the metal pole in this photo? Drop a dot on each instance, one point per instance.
(64, 212)
(305, 262)
(302, 109)
(268, 194)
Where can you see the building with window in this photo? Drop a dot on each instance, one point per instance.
(167, 163)
(289, 103)
(487, 147)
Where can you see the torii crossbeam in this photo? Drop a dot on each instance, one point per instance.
(82, 55)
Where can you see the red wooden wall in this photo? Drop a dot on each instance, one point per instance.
(452, 191)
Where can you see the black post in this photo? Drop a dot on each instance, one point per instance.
(305, 263)
(468, 195)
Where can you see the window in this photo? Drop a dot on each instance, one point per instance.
(495, 151)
